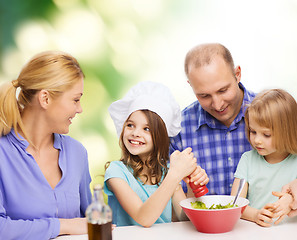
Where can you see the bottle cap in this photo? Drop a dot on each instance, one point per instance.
(97, 186)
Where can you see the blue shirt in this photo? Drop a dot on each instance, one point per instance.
(120, 217)
(217, 148)
(29, 207)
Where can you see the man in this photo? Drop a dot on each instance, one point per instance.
(214, 125)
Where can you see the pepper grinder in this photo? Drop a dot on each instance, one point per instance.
(198, 190)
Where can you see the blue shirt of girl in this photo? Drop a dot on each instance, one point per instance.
(117, 169)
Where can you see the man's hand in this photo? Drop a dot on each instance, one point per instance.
(282, 206)
(291, 188)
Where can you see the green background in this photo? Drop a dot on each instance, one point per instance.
(121, 42)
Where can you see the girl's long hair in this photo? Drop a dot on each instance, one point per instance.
(156, 163)
(52, 71)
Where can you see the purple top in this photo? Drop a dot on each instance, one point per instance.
(29, 207)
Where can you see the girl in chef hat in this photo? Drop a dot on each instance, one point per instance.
(141, 188)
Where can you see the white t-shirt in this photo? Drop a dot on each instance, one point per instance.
(263, 177)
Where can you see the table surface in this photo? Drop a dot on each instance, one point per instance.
(243, 230)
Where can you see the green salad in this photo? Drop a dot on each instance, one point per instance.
(201, 205)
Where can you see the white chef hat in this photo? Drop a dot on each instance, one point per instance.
(147, 96)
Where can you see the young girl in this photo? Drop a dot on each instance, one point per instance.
(141, 188)
(271, 129)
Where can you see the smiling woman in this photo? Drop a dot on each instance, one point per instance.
(63, 109)
(51, 168)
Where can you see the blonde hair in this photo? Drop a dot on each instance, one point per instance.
(52, 71)
(275, 109)
(203, 54)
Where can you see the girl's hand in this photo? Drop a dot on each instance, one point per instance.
(182, 163)
(199, 176)
(264, 216)
(282, 206)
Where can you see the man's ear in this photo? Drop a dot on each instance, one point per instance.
(44, 98)
(237, 71)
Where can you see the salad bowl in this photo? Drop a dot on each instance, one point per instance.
(214, 220)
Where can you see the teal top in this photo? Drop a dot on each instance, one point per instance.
(117, 169)
(263, 177)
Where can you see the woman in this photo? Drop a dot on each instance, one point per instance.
(44, 174)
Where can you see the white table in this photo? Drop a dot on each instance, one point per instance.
(243, 230)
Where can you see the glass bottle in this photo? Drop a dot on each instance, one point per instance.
(99, 217)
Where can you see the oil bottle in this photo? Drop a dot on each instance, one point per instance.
(99, 217)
